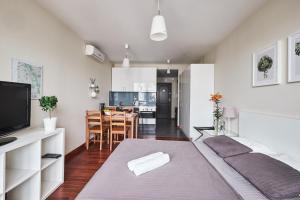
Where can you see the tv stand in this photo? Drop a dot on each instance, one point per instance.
(6, 140)
(24, 174)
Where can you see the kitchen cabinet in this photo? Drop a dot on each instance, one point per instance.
(134, 79)
(121, 79)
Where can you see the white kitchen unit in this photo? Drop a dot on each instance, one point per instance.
(195, 108)
(134, 79)
(24, 174)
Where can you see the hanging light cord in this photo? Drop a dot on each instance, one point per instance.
(158, 7)
(126, 50)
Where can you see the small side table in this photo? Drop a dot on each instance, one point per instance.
(212, 133)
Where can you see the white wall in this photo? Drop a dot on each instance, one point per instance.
(233, 62)
(29, 32)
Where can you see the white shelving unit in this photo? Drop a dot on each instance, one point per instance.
(23, 173)
(51, 178)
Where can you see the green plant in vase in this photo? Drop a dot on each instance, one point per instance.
(48, 104)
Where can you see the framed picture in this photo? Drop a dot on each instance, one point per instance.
(26, 72)
(294, 57)
(266, 66)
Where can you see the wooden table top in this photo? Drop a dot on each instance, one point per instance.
(128, 116)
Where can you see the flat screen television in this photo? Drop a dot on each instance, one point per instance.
(15, 106)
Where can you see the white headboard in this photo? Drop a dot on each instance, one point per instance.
(282, 134)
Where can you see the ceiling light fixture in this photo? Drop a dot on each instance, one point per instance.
(168, 70)
(126, 62)
(158, 28)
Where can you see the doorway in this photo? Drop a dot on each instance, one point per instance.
(167, 102)
(163, 100)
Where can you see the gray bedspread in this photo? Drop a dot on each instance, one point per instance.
(188, 176)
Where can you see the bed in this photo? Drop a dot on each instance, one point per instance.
(186, 177)
(195, 171)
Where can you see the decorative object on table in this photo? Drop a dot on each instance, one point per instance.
(266, 69)
(48, 104)
(294, 57)
(229, 113)
(218, 111)
(26, 72)
(94, 89)
(158, 27)
(106, 111)
(126, 61)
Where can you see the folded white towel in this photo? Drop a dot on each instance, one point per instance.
(151, 164)
(131, 164)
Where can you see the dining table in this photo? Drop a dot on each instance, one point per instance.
(132, 121)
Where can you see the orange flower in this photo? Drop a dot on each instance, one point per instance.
(216, 97)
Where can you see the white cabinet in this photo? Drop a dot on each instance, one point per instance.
(136, 79)
(23, 173)
(121, 79)
(196, 86)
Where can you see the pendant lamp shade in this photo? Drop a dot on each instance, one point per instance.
(126, 62)
(158, 29)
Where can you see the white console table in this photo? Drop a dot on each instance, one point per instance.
(24, 175)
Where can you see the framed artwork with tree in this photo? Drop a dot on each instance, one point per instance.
(266, 66)
(294, 57)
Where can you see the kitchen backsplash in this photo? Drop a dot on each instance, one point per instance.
(132, 98)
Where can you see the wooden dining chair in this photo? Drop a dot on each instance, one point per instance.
(132, 125)
(117, 127)
(95, 126)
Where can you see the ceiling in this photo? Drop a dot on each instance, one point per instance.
(194, 26)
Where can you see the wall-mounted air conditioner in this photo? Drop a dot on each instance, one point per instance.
(92, 51)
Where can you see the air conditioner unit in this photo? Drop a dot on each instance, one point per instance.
(92, 51)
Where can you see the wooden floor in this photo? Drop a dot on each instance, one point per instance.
(80, 168)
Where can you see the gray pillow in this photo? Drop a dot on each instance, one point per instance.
(225, 146)
(273, 178)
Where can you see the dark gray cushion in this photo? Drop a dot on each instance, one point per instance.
(272, 177)
(225, 146)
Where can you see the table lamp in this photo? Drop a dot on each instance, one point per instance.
(229, 113)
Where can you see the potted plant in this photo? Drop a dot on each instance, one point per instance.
(48, 104)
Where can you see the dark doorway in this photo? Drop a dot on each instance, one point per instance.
(163, 101)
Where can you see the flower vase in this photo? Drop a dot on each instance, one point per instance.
(217, 126)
